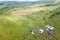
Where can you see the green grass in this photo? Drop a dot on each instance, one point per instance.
(17, 27)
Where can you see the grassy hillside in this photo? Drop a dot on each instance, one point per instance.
(17, 27)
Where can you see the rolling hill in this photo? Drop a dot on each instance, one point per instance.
(17, 27)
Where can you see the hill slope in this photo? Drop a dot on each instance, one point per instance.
(17, 27)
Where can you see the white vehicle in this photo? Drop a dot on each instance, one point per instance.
(41, 30)
(49, 27)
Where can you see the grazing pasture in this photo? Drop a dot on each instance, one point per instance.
(15, 24)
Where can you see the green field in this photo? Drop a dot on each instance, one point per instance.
(17, 27)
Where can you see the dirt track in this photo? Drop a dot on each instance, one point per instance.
(25, 12)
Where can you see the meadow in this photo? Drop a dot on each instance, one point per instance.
(17, 27)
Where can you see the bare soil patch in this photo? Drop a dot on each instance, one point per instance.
(25, 12)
